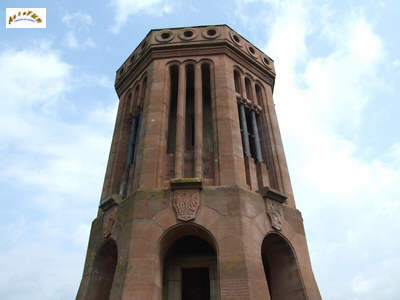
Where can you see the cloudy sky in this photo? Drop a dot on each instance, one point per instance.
(338, 71)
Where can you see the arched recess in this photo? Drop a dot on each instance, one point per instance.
(281, 269)
(103, 271)
(188, 256)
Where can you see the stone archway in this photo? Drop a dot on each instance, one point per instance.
(189, 260)
(103, 271)
(281, 269)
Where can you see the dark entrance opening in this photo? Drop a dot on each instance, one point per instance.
(195, 284)
(189, 265)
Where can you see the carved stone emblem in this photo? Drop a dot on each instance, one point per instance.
(109, 221)
(186, 204)
(275, 214)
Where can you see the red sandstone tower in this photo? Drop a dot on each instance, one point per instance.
(197, 202)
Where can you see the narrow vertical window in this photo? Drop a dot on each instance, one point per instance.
(251, 133)
(236, 76)
(207, 110)
(248, 89)
(189, 126)
(259, 95)
(134, 135)
(174, 76)
(143, 94)
(244, 129)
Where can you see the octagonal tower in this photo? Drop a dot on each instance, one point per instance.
(197, 201)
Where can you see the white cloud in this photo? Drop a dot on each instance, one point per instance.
(126, 8)
(71, 40)
(58, 154)
(321, 99)
(77, 19)
(78, 24)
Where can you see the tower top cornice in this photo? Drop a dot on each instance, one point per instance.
(204, 40)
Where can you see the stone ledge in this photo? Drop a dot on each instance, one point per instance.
(272, 194)
(186, 183)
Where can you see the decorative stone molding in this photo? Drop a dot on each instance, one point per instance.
(272, 194)
(109, 202)
(210, 33)
(164, 36)
(257, 108)
(248, 103)
(160, 41)
(236, 39)
(186, 197)
(186, 183)
(250, 49)
(187, 34)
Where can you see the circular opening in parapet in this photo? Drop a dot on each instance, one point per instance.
(165, 35)
(188, 33)
(266, 61)
(211, 32)
(143, 45)
(252, 51)
(236, 38)
(121, 71)
(132, 58)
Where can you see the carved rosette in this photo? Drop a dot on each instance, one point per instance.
(275, 214)
(186, 203)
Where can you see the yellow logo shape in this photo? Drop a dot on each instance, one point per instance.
(25, 16)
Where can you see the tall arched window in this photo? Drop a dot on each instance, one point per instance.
(281, 270)
(103, 271)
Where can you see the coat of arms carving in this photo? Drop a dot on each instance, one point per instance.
(186, 204)
(275, 214)
(109, 221)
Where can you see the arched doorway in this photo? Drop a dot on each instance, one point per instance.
(189, 260)
(103, 271)
(281, 270)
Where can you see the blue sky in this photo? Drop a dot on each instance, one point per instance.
(338, 69)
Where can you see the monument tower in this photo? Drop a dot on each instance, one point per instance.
(197, 202)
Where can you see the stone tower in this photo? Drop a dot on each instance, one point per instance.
(197, 202)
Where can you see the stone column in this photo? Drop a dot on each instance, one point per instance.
(198, 122)
(180, 122)
(257, 143)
